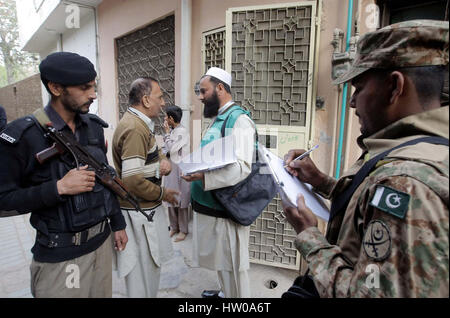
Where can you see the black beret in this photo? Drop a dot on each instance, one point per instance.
(67, 68)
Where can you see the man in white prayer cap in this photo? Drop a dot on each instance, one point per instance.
(219, 243)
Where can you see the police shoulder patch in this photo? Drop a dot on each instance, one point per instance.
(377, 241)
(391, 201)
(7, 138)
(15, 129)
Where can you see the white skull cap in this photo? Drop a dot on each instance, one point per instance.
(220, 74)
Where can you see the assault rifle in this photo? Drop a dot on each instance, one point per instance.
(64, 142)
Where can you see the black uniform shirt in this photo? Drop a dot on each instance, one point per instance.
(60, 124)
(27, 186)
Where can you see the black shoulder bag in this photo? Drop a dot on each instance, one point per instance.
(245, 200)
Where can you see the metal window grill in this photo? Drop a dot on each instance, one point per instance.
(214, 49)
(213, 55)
(270, 63)
(149, 51)
(269, 56)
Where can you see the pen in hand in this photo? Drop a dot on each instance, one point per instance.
(303, 155)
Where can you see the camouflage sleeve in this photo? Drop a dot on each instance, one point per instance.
(404, 252)
(326, 188)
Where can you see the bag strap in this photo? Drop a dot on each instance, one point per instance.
(340, 204)
(232, 110)
(41, 117)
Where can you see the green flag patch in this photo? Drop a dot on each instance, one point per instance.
(391, 201)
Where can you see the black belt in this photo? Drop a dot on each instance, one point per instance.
(71, 239)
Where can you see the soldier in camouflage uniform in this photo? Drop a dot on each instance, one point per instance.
(392, 240)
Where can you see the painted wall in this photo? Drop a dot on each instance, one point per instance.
(30, 16)
(363, 16)
(120, 17)
(116, 19)
(44, 30)
(209, 15)
(84, 42)
(81, 41)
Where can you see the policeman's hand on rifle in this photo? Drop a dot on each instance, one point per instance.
(170, 196)
(305, 169)
(76, 181)
(165, 167)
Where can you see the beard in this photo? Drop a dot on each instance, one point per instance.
(211, 106)
(72, 106)
(83, 109)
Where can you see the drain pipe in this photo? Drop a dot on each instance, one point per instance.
(344, 93)
(185, 74)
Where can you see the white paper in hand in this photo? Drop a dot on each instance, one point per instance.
(290, 187)
(217, 154)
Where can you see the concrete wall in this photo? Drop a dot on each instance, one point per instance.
(21, 98)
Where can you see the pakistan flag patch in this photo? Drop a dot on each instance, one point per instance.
(391, 201)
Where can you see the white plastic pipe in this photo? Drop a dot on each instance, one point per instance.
(185, 74)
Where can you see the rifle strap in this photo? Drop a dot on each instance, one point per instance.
(41, 117)
(340, 204)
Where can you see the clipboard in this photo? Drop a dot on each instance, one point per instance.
(289, 186)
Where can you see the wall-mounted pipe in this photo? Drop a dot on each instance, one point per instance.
(185, 76)
(344, 94)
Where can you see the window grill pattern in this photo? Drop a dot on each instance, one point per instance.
(213, 55)
(272, 238)
(149, 51)
(270, 59)
(270, 65)
(214, 49)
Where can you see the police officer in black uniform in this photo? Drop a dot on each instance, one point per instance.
(72, 213)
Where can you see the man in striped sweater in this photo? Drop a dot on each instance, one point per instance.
(141, 164)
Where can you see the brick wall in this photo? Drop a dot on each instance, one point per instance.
(21, 98)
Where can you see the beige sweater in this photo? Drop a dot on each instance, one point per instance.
(136, 158)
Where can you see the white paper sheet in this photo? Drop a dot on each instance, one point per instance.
(290, 186)
(217, 154)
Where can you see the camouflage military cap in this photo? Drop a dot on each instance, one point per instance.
(404, 44)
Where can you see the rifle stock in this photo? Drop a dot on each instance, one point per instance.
(48, 153)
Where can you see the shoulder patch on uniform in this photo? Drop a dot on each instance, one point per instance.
(377, 241)
(14, 130)
(391, 201)
(7, 138)
(98, 120)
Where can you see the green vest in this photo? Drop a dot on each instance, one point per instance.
(206, 198)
